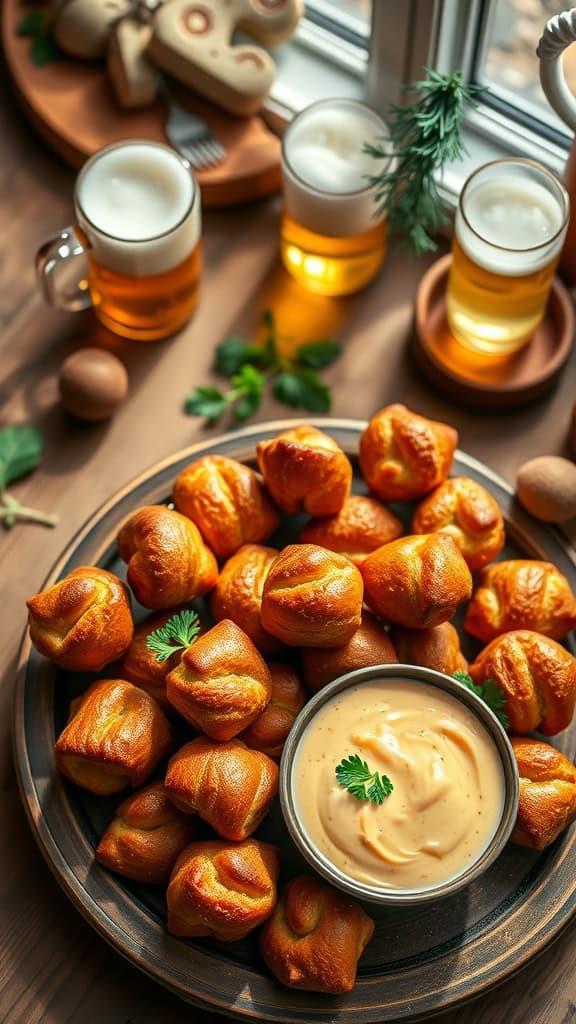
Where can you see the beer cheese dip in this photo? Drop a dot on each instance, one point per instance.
(448, 780)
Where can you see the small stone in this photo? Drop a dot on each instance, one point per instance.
(92, 384)
(546, 487)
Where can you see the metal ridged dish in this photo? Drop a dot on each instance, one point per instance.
(421, 960)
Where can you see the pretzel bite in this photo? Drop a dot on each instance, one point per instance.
(315, 937)
(168, 562)
(83, 621)
(268, 732)
(226, 784)
(538, 677)
(146, 836)
(437, 647)
(222, 889)
(238, 594)
(547, 799)
(115, 738)
(521, 594)
(370, 645)
(221, 683)
(467, 512)
(312, 597)
(362, 525)
(403, 455)
(305, 471)
(416, 581)
(227, 502)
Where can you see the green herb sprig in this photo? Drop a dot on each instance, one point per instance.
(20, 452)
(490, 692)
(178, 634)
(354, 774)
(423, 137)
(250, 369)
(43, 47)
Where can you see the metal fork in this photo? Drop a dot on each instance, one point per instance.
(190, 135)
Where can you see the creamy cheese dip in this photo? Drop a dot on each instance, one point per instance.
(448, 780)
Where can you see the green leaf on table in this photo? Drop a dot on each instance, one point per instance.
(233, 353)
(43, 50)
(248, 388)
(302, 389)
(206, 401)
(20, 452)
(32, 24)
(318, 354)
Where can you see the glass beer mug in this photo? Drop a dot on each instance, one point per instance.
(137, 207)
(332, 241)
(510, 226)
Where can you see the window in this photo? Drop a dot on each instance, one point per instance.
(370, 48)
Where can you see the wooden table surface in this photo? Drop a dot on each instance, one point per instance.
(53, 967)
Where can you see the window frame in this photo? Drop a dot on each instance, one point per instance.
(406, 36)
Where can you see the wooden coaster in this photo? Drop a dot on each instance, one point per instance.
(71, 104)
(485, 381)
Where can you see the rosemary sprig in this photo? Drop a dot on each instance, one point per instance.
(423, 137)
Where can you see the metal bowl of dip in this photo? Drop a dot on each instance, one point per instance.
(454, 776)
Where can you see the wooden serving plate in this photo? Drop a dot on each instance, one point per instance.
(71, 104)
(420, 961)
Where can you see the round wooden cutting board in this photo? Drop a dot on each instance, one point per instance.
(71, 104)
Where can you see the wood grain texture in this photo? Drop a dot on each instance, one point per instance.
(55, 969)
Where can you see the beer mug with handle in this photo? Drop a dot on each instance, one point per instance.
(137, 207)
(559, 33)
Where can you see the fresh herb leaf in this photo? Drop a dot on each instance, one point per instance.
(31, 24)
(354, 774)
(20, 452)
(177, 634)
(318, 354)
(423, 136)
(302, 390)
(490, 692)
(251, 368)
(44, 50)
(43, 47)
(233, 353)
(207, 401)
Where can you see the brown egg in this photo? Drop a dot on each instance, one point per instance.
(546, 486)
(92, 384)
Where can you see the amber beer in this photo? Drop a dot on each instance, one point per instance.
(331, 239)
(138, 224)
(510, 226)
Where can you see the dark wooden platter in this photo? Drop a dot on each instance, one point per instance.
(420, 961)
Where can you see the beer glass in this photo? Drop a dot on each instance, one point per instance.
(510, 226)
(331, 239)
(138, 220)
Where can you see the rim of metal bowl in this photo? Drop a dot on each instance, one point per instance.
(321, 864)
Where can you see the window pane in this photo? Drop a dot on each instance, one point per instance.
(507, 62)
(342, 16)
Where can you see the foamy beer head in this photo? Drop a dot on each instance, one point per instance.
(325, 168)
(139, 206)
(512, 221)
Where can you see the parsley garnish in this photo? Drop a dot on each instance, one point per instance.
(250, 368)
(43, 47)
(490, 692)
(20, 452)
(176, 635)
(354, 774)
(423, 137)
